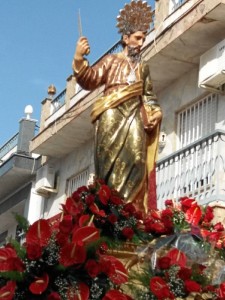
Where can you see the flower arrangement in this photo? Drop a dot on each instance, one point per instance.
(187, 259)
(117, 220)
(66, 258)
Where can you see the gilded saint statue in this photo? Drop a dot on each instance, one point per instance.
(127, 117)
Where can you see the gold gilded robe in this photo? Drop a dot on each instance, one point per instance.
(124, 152)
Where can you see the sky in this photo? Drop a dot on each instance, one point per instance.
(37, 44)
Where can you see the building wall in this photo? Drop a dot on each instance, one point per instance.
(65, 168)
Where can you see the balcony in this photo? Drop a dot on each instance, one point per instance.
(196, 171)
(178, 41)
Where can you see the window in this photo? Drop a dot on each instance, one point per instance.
(174, 4)
(76, 181)
(197, 120)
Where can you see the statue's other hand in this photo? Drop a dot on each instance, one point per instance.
(154, 120)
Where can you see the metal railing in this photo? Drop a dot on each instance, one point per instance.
(59, 101)
(7, 147)
(197, 171)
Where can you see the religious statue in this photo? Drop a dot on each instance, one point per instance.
(127, 117)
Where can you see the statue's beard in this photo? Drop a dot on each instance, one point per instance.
(133, 53)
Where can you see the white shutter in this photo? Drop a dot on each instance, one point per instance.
(197, 120)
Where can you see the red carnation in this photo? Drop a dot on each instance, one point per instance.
(90, 199)
(208, 217)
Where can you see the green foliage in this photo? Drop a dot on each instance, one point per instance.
(22, 222)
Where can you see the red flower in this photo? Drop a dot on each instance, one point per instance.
(128, 232)
(160, 288)
(39, 233)
(104, 194)
(192, 286)
(114, 269)
(187, 203)
(112, 218)
(130, 208)
(218, 227)
(73, 208)
(66, 225)
(72, 254)
(54, 296)
(34, 251)
(116, 200)
(177, 257)
(9, 260)
(169, 203)
(79, 292)
(92, 267)
(39, 285)
(89, 199)
(185, 273)
(8, 290)
(221, 291)
(193, 215)
(164, 262)
(115, 295)
(103, 248)
(208, 217)
(86, 234)
(95, 210)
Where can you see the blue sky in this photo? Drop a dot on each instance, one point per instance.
(37, 44)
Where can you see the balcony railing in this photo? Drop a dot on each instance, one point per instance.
(7, 147)
(196, 171)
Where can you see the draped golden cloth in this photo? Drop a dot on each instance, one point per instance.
(124, 153)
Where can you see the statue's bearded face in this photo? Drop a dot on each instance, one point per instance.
(134, 43)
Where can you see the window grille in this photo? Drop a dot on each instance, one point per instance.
(197, 121)
(77, 181)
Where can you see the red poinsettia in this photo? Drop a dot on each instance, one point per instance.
(39, 285)
(8, 290)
